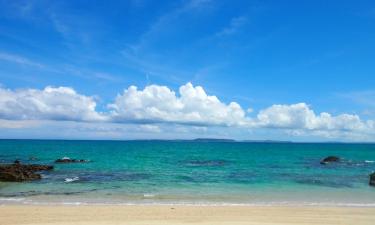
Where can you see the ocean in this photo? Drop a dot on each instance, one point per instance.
(192, 172)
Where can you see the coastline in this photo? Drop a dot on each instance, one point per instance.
(201, 183)
(177, 214)
(21, 202)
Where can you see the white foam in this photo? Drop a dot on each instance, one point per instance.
(148, 195)
(69, 180)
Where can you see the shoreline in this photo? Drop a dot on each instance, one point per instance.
(5, 203)
(151, 201)
(157, 215)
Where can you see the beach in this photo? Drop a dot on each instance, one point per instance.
(163, 214)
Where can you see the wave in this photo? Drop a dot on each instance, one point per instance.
(70, 180)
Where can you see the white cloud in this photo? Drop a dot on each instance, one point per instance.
(300, 116)
(149, 128)
(191, 109)
(160, 104)
(17, 124)
(19, 60)
(250, 110)
(51, 103)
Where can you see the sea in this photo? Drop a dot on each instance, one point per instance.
(200, 172)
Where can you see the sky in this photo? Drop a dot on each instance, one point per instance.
(183, 69)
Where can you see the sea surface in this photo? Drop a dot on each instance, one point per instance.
(192, 172)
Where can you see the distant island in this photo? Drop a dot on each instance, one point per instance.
(232, 140)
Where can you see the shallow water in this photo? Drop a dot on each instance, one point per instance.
(188, 172)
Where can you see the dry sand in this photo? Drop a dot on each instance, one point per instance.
(178, 215)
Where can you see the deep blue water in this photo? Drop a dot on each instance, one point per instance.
(126, 172)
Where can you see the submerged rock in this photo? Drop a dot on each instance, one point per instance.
(324, 182)
(17, 172)
(372, 179)
(69, 160)
(330, 159)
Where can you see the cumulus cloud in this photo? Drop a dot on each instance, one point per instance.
(191, 105)
(61, 103)
(160, 104)
(300, 116)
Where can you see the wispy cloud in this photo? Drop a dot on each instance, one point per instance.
(13, 58)
(89, 74)
(106, 76)
(59, 25)
(366, 98)
(153, 68)
(140, 54)
(235, 24)
(19, 9)
(169, 17)
(363, 98)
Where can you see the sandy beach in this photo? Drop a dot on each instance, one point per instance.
(158, 215)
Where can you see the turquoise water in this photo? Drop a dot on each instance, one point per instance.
(188, 172)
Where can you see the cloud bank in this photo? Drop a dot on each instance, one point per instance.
(62, 103)
(160, 105)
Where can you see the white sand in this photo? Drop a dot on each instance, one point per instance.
(178, 215)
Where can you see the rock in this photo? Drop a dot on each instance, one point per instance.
(17, 172)
(69, 160)
(36, 167)
(330, 159)
(372, 179)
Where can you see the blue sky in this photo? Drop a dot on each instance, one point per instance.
(256, 53)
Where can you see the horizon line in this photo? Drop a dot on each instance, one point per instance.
(193, 140)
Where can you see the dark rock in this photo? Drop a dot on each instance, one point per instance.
(17, 161)
(69, 160)
(36, 167)
(17, 172)
(372, 179)
(330, 159)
